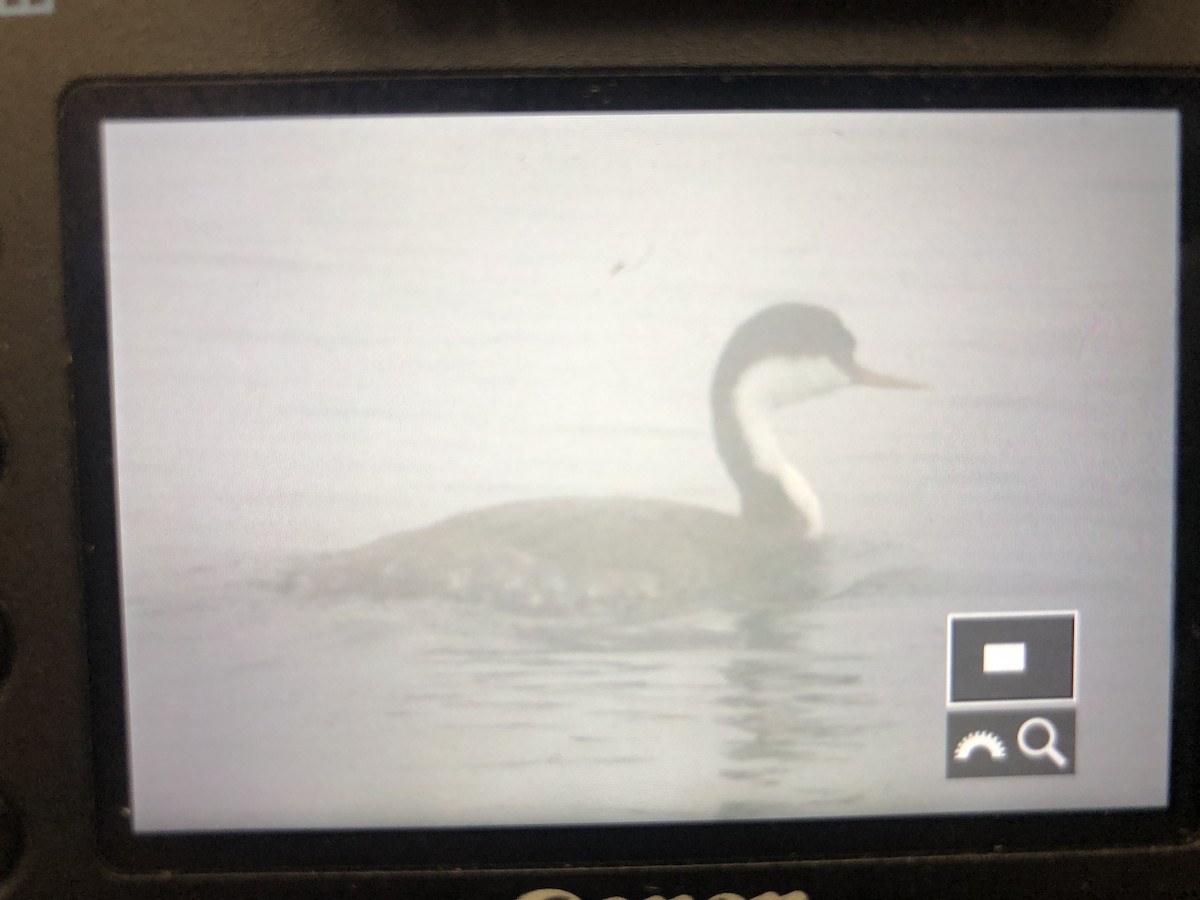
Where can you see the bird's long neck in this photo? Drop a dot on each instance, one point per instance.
(774, 493)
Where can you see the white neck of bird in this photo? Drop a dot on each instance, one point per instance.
(766, 386)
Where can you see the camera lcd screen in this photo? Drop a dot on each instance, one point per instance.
(488, 469)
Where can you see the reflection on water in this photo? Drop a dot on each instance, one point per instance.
(445, 711)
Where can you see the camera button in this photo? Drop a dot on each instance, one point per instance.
(11, 839)
(5, 647)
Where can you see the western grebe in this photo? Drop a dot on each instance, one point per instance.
(552, 551)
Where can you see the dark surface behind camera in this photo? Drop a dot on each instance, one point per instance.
(44, 762)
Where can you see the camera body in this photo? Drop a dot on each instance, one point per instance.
(109, 785)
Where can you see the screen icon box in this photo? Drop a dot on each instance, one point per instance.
(984, 652)
(990, 743)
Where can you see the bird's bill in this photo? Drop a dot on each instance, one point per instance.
(860, 375)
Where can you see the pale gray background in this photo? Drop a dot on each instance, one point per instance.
(330, 331)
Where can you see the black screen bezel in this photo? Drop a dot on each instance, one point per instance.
(86, 105)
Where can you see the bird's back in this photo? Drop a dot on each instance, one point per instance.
(555, 552)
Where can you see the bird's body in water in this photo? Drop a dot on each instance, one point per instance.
(630, 550)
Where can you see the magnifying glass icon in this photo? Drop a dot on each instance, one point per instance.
(1049, 749)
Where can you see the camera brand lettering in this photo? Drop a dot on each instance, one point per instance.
(559, 894)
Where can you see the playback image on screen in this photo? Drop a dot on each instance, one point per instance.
(491, 470)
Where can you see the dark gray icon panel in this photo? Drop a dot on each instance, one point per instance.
(1034, 741)
(1012, 657)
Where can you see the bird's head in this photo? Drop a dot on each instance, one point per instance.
(790, 352)
(782, 355)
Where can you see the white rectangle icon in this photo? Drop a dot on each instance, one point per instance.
(1004, 658)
